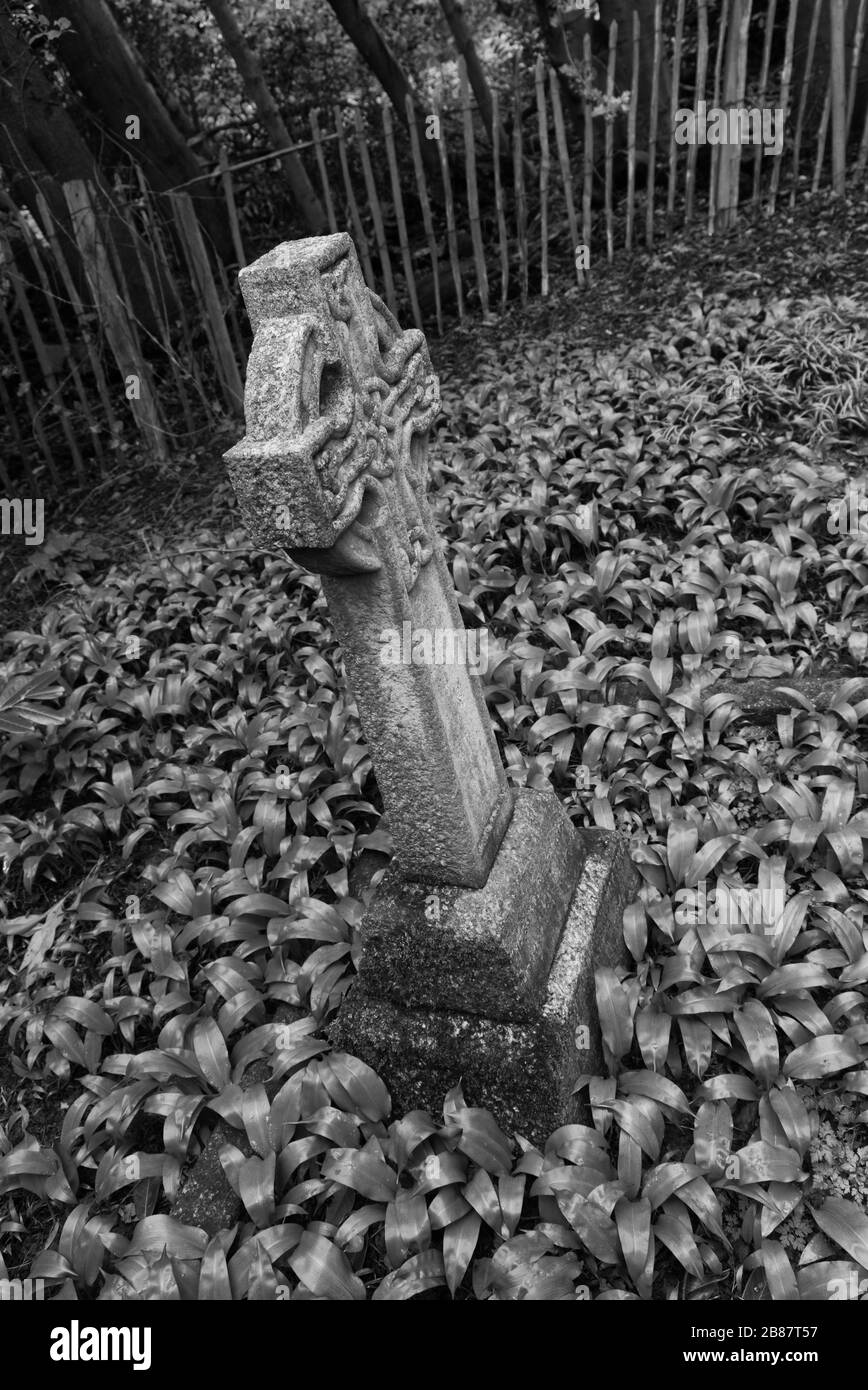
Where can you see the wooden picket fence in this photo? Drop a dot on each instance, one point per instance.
(86, 358)
(505, 217)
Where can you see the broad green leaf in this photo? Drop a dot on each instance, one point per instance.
(164, 1232)
(760, 1038)
(510, 1193)
(446, 1207)
(459, 1242)
(658, 1088)
(214, 1274)
(481, 1194)
(633, 1221)
(419, 1273)
(635, 929)
(407, 1228)
(351, 1232)
(483, 1141)
(712, 1135)
(821, 1057)
(262, 1285)
(363, 1172)
(211, 1053)
(698, 1197)
(681, 845)
(652, 1034)
(256, 1187)
(255, 1115)
(85, 1013)
(795, 1120)
(697, 1039)
(727, 1086)
(677, 1236)
(613, 1007)
(761, 1162)
(833, 1281)
(779, 1272)
(366, 1091)
(666, 1179)
(324, 1269)
(595, 1229)
(846, 1224)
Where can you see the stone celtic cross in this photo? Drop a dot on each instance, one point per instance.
(339, 404)
(489, 977)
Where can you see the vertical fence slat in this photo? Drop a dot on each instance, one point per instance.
(610, 138)
(113, 314)
(316, 136)
(29, 396)
(398, 200)
(544, 171)
(502, 239)
(50, 376)
(822, 133)
(53, 238)
(231, 209)
(472, 189)
(68, 350)
(761, 96)
(838, 94)
(803, 100)
(673, 109)
(735, 77)
(518, 177)
(786, 80)
(587, 150)
(376, 211)
(120, 263)
(20, 448)
(203, 281)
(147, 383)
(229, 299)
(631, 132)
(858, 42)
(699, 95)
(566, 172)
(652, 132)
(358, 230)
(162, 233)
(722, 35)
(161, 313)
(425, 205)
(449, 209)
(166, 279)
(862, 159)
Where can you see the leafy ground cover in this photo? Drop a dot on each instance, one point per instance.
(184, 788)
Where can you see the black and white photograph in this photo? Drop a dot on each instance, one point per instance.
(433, 672)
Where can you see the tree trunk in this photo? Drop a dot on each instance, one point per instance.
(109, 75)
(729, 157)
(457, 21)
(41, 149)
(559, 57)
(622, 11)
(303, 193)
(372, 46)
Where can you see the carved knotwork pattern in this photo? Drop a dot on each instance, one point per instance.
(339, 403)
(402, 400)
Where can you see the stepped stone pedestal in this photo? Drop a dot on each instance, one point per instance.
(480, 942)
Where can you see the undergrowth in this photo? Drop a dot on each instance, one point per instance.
(184, 789)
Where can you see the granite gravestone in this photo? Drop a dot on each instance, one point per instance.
(479, 946)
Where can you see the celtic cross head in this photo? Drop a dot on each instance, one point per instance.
(339, 403)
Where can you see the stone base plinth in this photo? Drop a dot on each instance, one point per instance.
(523, 1070)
